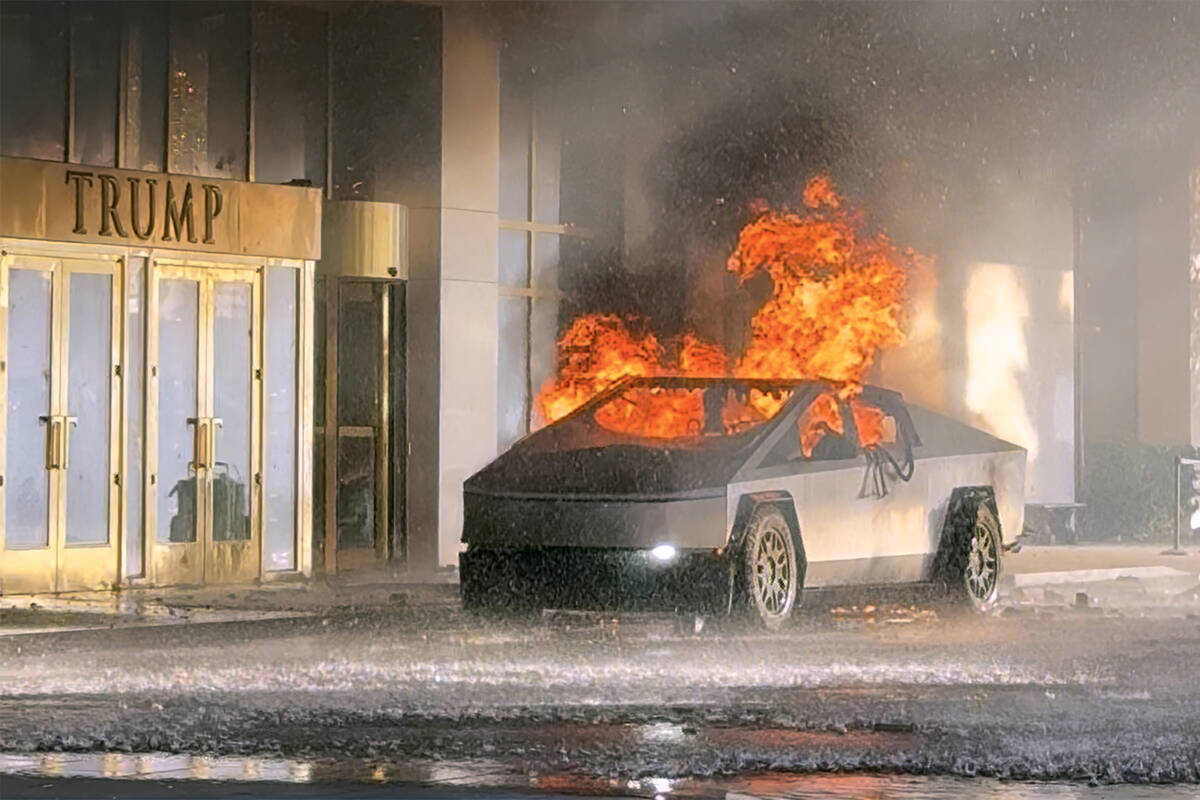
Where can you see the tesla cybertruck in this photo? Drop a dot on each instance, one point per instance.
(725, 496)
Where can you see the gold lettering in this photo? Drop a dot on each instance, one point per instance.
(79, 178)
(179, 216)
(134, 208)
(110, 195)
(212, 208)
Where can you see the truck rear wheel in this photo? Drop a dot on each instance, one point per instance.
(970, 563)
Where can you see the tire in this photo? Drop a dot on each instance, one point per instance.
(971, 566)
(770, 574)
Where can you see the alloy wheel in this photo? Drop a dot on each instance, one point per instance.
(983, 558)
(772, 572)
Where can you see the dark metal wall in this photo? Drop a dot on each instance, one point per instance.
(270, 92)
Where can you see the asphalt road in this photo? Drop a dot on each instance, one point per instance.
(630, 705)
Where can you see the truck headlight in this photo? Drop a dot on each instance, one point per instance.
(663, 552)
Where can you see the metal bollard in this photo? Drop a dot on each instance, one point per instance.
(1180, 461)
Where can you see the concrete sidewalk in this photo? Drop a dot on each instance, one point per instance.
(1111, 575)
(1078, 558)
(239, 603)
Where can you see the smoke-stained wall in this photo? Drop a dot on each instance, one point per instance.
(1002, 138)
(991, 330)
(1136, 359)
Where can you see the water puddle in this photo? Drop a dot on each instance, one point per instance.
(474, 779)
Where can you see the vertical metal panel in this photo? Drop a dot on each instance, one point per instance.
(144, 74)
(257, 432)
(150, 453)
(132, 434)
(291, 93)
(329, 105)
(382, 451)
(331, 422)
(4, 260)
(95, 85)
(250, 95)
(33, 80)
(58, 401)
(124, 72)
(70, 86)
(187, 99)
(304, 433)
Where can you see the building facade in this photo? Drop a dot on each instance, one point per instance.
(277, 277)
(156, 297)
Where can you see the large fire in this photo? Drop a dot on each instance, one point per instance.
(838, 299)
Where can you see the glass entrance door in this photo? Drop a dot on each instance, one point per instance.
(205, 372)
(59, 498)
(359, 447)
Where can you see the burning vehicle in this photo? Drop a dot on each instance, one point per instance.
(673, 476)
(777, 487)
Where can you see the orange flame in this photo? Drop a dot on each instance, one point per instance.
(818, 419)
(838, 299)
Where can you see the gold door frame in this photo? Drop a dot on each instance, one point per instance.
(205, 560)
(337, 559)
(236, 560)
(58, 567)
(32, 569)
(121, 257)
(169, 562)
(90, 566)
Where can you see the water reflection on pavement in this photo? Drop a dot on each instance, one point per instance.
(79, 775)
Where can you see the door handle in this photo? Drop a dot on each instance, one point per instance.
(65, 436)
(204, 459)
(199, 442)
(213, 424)
(53, 440)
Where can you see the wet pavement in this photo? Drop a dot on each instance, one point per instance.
(166, 776)
(418, 694)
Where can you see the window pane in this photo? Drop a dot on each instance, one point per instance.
(178, 366)
(89, 393)
(514, 258)
(33, 80)
(514, 156)
(359, 346)
(207, 119)
(356, 492)
(512, 390)
(545, 260)
(232, 392)
(281, 354)
(27, 489)
(145, 86)
(289, 94)
(96, 33)
(134, 442)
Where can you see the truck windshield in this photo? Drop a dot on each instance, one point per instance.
(689, 410)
